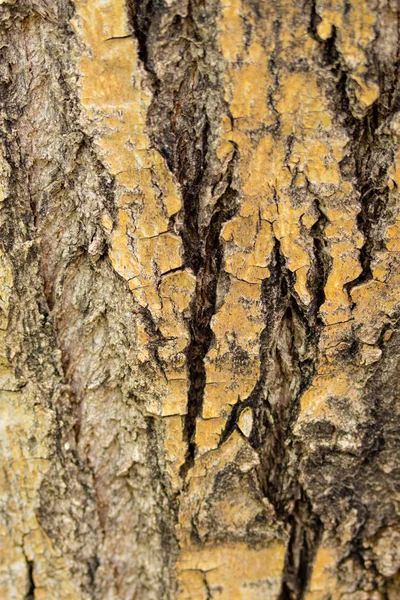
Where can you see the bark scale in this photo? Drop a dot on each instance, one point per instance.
(200, 297)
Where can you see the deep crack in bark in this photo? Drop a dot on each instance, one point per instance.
(30, 593)
(305, 534)
(371, 148)
(203, 308)
(183, 139)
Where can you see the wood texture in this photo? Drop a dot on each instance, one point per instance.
(200, 292)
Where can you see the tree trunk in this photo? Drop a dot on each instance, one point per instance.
(200, 300)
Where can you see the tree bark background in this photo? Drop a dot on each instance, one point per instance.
(200, 291)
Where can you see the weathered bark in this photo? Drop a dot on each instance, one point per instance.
(200, 295)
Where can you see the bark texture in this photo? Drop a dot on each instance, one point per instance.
(200, 299)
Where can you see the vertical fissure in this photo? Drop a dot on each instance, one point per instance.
(321, 267)
(203, 309)
(289, 359)
(305, 533)
(30, 592)
(373, 156)
(181, 126)
(371, 152)
(366, 164)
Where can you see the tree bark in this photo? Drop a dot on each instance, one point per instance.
(200, 293)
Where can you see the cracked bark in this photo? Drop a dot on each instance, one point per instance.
(199, 300)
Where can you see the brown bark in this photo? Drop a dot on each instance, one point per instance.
(199, 300)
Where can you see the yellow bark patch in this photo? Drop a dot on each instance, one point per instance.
(142, 250)
(233, 572)
(282, 125)
(323, 580)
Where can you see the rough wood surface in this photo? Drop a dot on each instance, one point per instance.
(200, 300)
